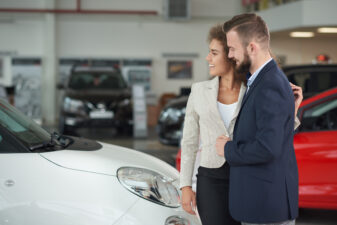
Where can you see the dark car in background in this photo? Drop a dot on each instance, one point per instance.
(171, 120)
(96, 97)
(313, 79)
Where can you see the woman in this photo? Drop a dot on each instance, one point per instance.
(211, 111)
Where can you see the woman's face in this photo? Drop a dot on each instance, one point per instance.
(216, 59)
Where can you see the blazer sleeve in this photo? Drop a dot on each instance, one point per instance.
(271, 119)
(190, 141)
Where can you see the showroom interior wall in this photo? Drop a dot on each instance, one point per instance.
(303, 50)
(113, 36)
(54, 36)
(304, 15)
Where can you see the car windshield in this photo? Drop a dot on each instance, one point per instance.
(97, 80)
(21, 126)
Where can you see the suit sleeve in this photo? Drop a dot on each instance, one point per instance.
(273, 113)
(190, 142)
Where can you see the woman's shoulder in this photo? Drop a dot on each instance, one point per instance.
(205, 83)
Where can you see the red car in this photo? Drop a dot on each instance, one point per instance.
(316, 151)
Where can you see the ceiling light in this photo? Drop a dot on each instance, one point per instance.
(302, 34)
(327, 30)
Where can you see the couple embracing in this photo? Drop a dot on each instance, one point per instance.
(245, 117)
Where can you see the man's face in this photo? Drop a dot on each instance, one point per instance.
(237, 52)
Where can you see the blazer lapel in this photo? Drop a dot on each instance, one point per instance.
(212, 90)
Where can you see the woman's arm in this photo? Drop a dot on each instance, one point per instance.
(298, 94)
(189, 149)
(190, 142)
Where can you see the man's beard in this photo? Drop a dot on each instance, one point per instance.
(244, 67)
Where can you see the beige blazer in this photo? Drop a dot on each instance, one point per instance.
(203, 121)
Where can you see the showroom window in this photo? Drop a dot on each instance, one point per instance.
(320, 117)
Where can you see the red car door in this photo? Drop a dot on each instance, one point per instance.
(316, 153)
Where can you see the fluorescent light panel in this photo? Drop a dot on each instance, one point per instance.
(302, 34)
(327, 30)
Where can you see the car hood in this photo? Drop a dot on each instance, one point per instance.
(108, 160)
(179, 102)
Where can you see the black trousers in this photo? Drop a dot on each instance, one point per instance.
(212, 196)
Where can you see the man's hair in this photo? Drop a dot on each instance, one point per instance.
(249, 26)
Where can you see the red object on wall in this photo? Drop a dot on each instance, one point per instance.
(249, 2)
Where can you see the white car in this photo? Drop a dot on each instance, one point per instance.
(51, 179)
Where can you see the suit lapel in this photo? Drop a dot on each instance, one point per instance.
(260, 76)
(262, 73)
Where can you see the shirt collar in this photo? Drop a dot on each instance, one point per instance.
(254, 75)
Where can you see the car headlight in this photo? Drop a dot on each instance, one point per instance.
(72, 105)
(149, 185)
(172, 115)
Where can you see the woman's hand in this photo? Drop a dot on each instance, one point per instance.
(298, 94)
(188, 201)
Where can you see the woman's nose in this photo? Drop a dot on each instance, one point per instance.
(208, 57)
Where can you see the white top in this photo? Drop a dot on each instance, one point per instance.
(227, 112)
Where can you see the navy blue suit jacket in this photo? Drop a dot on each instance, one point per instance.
(263, 173)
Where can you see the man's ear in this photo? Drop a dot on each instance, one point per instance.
(251, 48)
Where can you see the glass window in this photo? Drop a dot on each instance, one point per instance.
(6, 145)
(20, 126)
(320, 117)
(104, 80)
(314, 82)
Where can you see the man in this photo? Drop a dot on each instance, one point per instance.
(263, 175)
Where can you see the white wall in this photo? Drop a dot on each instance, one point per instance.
(304, 13)
(116, 36)
(135, 36)
(302, 51)
(25, 37)
(110, 39)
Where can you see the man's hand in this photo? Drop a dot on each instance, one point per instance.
(298, 94)
(220, 145)
(188, 200)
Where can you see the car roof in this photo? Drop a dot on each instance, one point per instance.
(312, 67)
(93, 69)
(319, 96)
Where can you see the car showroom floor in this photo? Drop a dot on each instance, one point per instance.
(152, 146)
